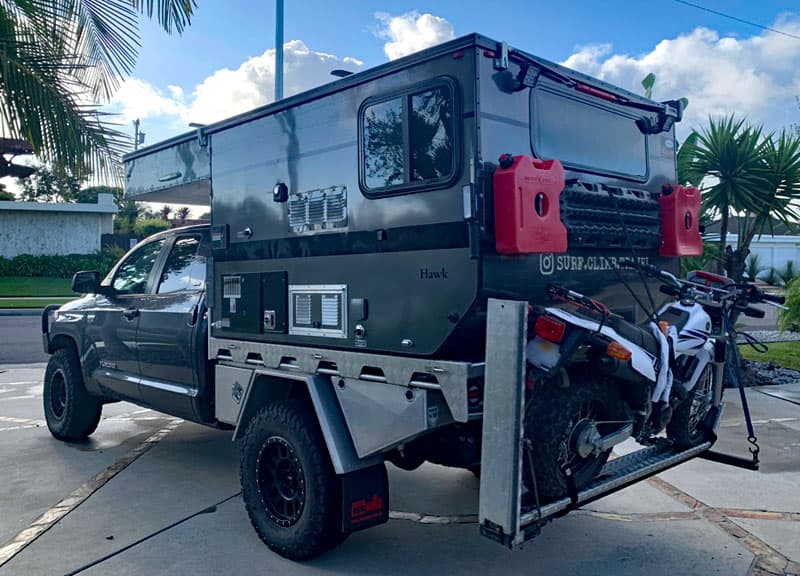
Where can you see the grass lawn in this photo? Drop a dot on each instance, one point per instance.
(13, 287)
(783, 354)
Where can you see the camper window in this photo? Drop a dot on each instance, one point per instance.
(407, 140)
(586, 134)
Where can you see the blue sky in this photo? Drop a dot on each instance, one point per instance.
(719, 64)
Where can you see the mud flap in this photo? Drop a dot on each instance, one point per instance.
(365, 498)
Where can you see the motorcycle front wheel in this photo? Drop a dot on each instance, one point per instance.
(687, 426)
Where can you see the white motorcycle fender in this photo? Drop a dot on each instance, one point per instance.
(641, 360)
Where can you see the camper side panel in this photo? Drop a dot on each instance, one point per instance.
(345, 215)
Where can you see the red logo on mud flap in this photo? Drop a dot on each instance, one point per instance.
(363, 510)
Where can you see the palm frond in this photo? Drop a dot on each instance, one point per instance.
(172, 14)
(684, 161)
(40, 104)
(57, 55)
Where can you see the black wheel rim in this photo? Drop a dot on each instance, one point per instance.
(280, 481)
(58, 394)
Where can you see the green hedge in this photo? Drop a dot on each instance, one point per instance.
(65, 266)
(790, 319)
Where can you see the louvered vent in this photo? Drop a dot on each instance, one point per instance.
(318, 310)
(318, 209)
(231, 286)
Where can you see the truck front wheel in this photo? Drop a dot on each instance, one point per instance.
(290, 489)
(71, 413)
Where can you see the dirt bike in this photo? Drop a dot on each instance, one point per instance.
(594, 379)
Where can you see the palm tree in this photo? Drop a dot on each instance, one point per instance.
(749, 175)
(58, 60)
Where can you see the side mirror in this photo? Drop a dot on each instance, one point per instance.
(86, 282)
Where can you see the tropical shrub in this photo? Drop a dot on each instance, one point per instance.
(790, 319)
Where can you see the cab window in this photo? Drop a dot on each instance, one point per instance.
(185, 268)
(131, 277)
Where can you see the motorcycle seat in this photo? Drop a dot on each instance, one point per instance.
(639, 335)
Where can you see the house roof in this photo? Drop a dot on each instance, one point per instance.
(779, 229)
(105, 205)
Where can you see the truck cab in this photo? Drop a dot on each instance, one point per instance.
(142, 332)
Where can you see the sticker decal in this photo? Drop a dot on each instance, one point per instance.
(546, 264)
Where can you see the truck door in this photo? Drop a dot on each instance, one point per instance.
(111, 326)
(168, 355)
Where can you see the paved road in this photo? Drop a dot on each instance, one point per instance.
(149, 494)
(21, 340)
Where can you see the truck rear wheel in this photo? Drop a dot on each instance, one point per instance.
(70, 411)
(290, 489)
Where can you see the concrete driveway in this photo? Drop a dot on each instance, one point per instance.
(149, 494)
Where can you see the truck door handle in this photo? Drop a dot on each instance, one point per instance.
(130, 313)
(191, 318)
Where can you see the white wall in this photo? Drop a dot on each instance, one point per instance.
(774, 251)
(39, 228)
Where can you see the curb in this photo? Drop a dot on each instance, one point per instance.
(21, 311)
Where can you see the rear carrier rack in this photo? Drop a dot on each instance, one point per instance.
(508, 513)
(594, 214)
(537, 211)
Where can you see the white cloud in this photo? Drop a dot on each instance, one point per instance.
(412, 32)
(139, 99)
(227, 92)
(757, 77)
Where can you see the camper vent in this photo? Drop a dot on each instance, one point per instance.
(318, 209)
(302, 309)
(330, 309)
(318, 310)
(231, 286)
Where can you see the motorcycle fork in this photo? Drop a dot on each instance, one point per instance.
(720, 354)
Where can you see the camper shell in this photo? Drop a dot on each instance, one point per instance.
(377, 242)
(360, 215)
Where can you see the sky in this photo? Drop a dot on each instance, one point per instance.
(223, 64)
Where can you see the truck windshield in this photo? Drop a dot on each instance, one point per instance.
(586, 134)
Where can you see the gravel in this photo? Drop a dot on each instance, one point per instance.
(767, 374)
(770, 336)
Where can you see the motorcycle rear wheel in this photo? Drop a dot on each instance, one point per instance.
(554, 412)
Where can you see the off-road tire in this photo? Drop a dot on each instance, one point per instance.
(72, 414)
(684, 430)
(292, 427)
(548, 424)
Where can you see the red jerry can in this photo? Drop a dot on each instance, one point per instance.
(680, 222)
(527, 215)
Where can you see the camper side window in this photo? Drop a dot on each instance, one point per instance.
(408, 141)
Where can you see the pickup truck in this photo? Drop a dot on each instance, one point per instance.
(139, 335)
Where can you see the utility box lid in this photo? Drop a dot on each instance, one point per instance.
(179, 173)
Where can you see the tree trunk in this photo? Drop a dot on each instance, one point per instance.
(720, 263)
(735, 263)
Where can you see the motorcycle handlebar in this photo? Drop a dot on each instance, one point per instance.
(753, 312)
(772, 298)
(651, 270)
(756, 294)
